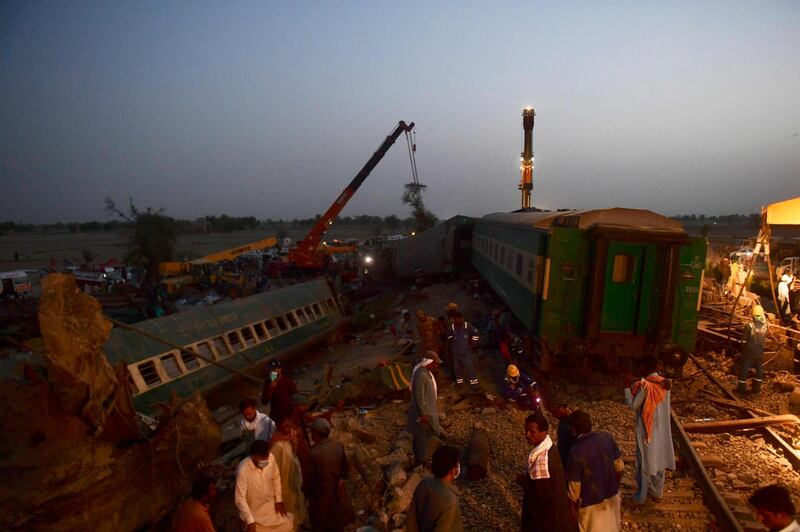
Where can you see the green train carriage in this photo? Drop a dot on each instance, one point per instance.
(597, 284)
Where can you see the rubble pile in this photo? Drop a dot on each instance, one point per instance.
(73, 456)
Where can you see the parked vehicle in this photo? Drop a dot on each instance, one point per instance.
(15, 283)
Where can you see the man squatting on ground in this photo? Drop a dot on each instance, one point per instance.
(423, 412)
(434, 507)
(650, 399)
(594, 469)
(545, 506)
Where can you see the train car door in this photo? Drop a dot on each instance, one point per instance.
(622, 290)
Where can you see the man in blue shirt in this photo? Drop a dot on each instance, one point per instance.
(520, 388)
(593, 474)
(461, 338)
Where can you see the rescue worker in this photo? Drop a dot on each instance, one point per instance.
(462, 338)
(784, 308)
(725, 273)
(521, 389)
(753, 350)
(450, 310)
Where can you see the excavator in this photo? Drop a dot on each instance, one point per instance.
(181, 274)
(308, 254)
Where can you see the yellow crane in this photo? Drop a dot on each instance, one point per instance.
(180, 274)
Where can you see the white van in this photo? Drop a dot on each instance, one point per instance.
(14, 283)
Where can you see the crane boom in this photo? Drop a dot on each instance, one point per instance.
(304, 255)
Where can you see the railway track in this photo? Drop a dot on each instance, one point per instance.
(711, 473)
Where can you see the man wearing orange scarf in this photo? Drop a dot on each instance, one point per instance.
(649, 398)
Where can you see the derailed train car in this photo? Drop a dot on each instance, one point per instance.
(602, 284)
(240, 334)
(441, 249)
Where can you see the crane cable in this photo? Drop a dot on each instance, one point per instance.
(412, 150)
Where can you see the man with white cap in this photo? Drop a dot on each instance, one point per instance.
(329, 507)
(423, 411)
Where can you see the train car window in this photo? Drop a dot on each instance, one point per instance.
(190, 361)
(310, 314)
(503, 256)
(291, 319)
(281, 323)
(301, 316)
(261, 333)
(204, 349)
(271, 329)
(234, 341)
(317, 310)
(221, 347)
(494, 250)
(519, 264)
(149, 373)
(247, 335)
(623, 268)
(170, 365)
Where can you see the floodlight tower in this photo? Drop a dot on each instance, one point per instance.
(526, 159)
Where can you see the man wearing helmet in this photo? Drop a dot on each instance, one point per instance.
(519, 388)
(753, 350)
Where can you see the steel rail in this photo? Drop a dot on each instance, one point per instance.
(773, 437)
(725, 518)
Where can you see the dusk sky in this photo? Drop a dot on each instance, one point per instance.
(270, 108)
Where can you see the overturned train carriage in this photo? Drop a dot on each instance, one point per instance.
(441, 249)
(239, 334)
(597, 284)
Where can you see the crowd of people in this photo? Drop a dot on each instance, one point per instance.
(572, 483)
(294, 477)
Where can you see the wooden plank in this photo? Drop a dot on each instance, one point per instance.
(478, 455)
(738, 404)
(715, 427)
(681, 494)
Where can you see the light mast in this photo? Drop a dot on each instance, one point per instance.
(526, 159)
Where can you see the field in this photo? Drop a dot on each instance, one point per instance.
(36, 249)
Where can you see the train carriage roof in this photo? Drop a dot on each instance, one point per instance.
(639, 219)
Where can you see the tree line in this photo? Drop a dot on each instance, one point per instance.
(754, 218)
(210, 224)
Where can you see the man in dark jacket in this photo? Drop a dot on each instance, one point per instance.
(278, 391)
(434, 507)
(545, 505)
(329, 507)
